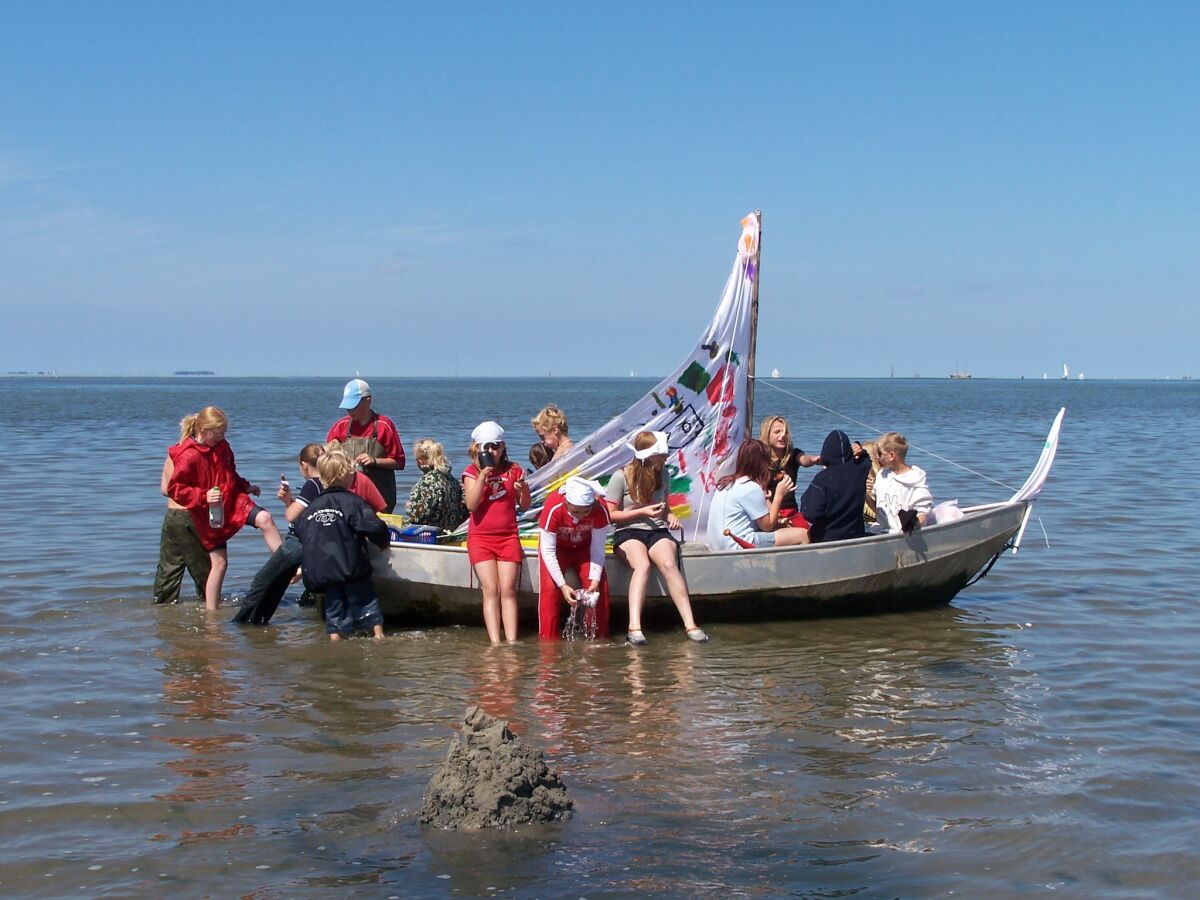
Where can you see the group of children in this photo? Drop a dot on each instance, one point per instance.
(333, 517)
(862, 488)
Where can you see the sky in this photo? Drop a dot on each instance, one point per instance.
(401, 189)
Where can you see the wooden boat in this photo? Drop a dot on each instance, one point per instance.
(434, 584)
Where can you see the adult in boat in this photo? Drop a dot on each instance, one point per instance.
(574, 525)
(437, 498)
(207, 484)
(741, 513)
(494, 486)
(784, 460)
(179, 547)
(901, 495)
(271, 581)
(638, 498)
(551, 427)
(370, 439)
(833, 502)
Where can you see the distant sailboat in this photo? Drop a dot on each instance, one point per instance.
(1080, 376)
(1066, 374)
(1044, 376)
(774, 373)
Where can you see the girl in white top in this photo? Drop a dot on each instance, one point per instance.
(740, 511)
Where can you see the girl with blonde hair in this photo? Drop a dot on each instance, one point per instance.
(206, 483)
(638, 498)
(437, 498)
(785, 460)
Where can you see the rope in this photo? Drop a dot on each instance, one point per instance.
(834, 412)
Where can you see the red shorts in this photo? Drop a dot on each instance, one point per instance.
(500, 547)
(794, 517)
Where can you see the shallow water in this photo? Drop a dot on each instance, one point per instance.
(1039, 734)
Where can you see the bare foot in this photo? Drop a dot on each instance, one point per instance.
(335, 637)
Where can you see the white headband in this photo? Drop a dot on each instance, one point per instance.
(658, 447)
(581, 491)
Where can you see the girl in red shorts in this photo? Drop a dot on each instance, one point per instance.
(494, 486)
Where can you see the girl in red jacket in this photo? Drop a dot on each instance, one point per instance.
(206, 483)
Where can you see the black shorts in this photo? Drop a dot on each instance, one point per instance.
(647, 536)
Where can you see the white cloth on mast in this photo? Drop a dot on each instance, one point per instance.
(700, 406)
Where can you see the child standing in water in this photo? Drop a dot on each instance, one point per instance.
(333, 533)
(206, 483)
(494, 486)
(179, 548)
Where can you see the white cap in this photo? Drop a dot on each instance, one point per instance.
(581, 491)
(487, 433)
(354, 392)
(658, 447)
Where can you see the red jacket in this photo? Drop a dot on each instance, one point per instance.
(198, 469)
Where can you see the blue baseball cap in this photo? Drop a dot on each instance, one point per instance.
(356, 389)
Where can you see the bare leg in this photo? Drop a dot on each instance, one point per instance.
(216, 577)
(508, 574)
(379, 632)
(635, 554)
(489, 583)
(264, 523)
(787, 537)
(663, 555)
(335, 636)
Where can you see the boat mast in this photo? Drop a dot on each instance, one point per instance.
(753, 328)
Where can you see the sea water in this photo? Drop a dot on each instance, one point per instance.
(1039, 734)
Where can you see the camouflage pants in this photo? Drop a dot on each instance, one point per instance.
(179, 548)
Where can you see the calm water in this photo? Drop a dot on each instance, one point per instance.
(1040, 734)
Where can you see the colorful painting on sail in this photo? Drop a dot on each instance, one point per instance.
(701, 406)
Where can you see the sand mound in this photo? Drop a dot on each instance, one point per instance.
(491, 779)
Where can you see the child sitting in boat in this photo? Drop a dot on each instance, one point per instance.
(833, 502)
(901, 497)
(639, 502)
(741, 514)
(784, 459)
(574, 524)
(494, 486)
(551, 427)
(207, 484)
(333, 532)
(437, 498)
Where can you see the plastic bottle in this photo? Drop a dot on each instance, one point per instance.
(216, 515)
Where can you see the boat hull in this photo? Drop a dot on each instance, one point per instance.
(424, 585)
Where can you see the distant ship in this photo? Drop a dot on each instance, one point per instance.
(192, 372)
(960, 375)
(1066, 374)
(774, 373)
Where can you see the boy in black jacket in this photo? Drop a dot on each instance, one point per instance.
(334, 531)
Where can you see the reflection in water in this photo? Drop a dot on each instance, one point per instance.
(200, 698)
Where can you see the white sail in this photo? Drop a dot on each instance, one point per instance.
(1033, 484)
(701, 406)
(1065, 374)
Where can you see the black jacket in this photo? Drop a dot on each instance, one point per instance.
(833, 502)
(334, 531)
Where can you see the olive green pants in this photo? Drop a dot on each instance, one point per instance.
(179, 548)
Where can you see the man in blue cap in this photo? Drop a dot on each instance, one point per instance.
(370, 439)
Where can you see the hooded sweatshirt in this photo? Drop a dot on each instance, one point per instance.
(833, 502)
(895, 491)
(198, 468)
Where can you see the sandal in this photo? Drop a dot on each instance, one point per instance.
(635, 639)
(697, 634)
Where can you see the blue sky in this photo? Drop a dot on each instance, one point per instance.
(508, 189)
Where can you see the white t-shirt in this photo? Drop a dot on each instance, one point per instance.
(737, 508)
(896, 492)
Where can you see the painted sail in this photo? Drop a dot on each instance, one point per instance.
(701, 406)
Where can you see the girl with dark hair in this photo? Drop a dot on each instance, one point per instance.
(741, 513)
